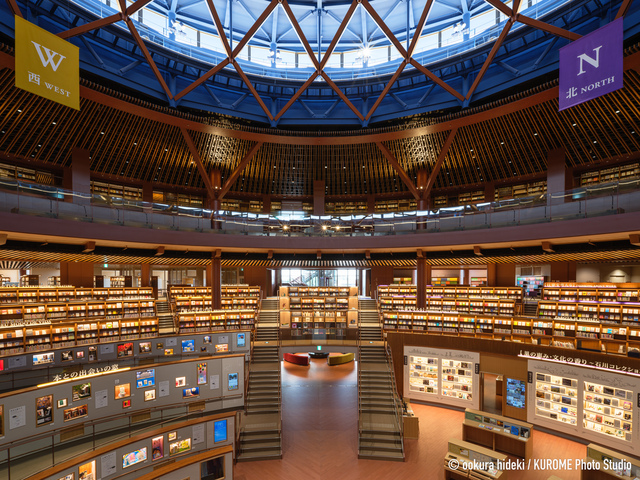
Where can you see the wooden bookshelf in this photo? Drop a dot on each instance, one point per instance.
(216, 320)
(559, 332)
(31, 327)
(318, 312)
(65, 294)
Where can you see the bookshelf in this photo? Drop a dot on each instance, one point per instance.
(30, 327)
(216, 320)
(565, 332)
(20, 295)
(318, 312)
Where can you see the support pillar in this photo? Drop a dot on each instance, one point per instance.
(216, 280)
(489, 192)
(78, 177)
(422, 178)
(147, 196)
(491, 274)
(216, 182)
(423, 278)
(77, 274)
(371, 204)
(318, 197)
(266, 204)
(145, 275)
(559, 177)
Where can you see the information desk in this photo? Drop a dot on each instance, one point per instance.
(610, 465)
(498, 433)
(461, 454)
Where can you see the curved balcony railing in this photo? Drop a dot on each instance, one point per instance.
(46, 201)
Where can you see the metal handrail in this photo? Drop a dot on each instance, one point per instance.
(602, 199)
(398, 407)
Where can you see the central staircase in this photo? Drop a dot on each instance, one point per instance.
(261, 425)
(380, 433)
(166, 323)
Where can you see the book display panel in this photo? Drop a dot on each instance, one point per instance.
(557, 398)
(442, 376)
(591, 403)
(423, 374)
(457, 379)
(608, 410)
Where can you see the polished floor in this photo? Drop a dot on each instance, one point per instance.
(320, 441)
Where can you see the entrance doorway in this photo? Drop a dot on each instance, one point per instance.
(491, 393)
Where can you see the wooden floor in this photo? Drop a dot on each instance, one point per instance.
(320, 435)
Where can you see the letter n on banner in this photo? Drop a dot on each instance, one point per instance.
(592, 66)
(47, 65)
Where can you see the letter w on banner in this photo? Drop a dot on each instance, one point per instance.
(47, 65)
(592, 65)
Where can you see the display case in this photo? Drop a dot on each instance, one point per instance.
(608, 410)
(483, 461)
(610, 465)
(498, 433)
(457, 379)
(557, 398)
(423, 374)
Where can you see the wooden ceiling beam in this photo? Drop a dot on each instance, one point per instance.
(252, 89)
(292, 100)
(436, 168)
(546, 27)
(383, 26)
(15, 9)
(203, 78)
(501, 6)
(148, 57)
(429, 74)
(399, 170)
(254, 28)
(296, 27)
(336, 37)
(238, 170)
(198, 161)
(386, 89)
(87, 27)
(342, 96)
(219, 27)
(624, 8)
(419, 27)
(135, 6)
(490, 57)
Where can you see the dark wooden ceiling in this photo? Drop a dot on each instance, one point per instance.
(491, 144)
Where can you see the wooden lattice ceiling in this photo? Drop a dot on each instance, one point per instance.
(508, 141)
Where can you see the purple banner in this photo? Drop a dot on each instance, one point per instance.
(592, 65)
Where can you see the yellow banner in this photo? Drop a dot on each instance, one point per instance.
(47, 65)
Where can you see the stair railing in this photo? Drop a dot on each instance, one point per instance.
(397, 402)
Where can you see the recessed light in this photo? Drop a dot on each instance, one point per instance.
(53, 123)
(535, 134)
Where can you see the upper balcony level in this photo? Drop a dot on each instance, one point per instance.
(606, 211)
